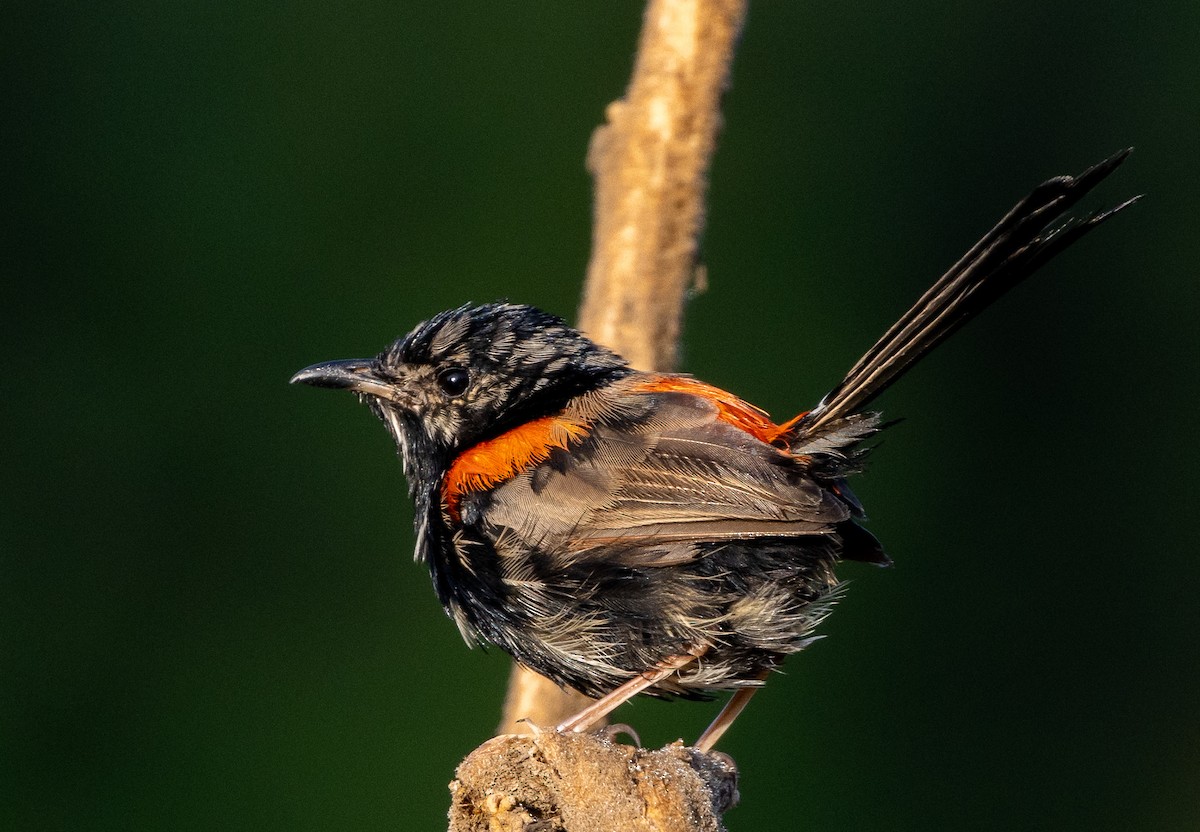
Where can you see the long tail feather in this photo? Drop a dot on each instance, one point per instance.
(1027, 237)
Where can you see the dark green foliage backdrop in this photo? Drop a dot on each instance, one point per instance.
(208, 617)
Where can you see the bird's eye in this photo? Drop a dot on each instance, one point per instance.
(453, 381)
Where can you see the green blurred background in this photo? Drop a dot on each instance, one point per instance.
(209, 618)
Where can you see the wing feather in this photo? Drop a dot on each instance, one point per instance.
(653, 489)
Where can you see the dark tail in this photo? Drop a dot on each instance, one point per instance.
(1027, 237)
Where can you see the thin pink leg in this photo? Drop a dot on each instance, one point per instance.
(602, 707)
(736, 704)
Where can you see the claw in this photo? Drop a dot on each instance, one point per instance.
(534, 728)
(611, 732)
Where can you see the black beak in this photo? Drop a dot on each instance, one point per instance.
(357, 374)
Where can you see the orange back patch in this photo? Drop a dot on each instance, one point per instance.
(490, 463)
(730, 409)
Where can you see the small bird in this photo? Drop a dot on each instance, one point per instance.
(621, 531)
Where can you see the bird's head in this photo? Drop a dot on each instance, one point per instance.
(471, 373)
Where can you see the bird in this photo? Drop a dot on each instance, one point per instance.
(621, 531)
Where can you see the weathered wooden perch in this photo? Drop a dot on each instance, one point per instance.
(555, 782)
(650, 164)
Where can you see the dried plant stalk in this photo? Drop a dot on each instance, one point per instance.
(650, 164)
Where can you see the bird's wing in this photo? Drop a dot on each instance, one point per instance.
(659, 476)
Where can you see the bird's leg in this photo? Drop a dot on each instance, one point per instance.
(736, 704)
(608, 703)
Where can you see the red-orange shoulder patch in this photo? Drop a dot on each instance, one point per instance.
(730, 409)
(490, 463)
